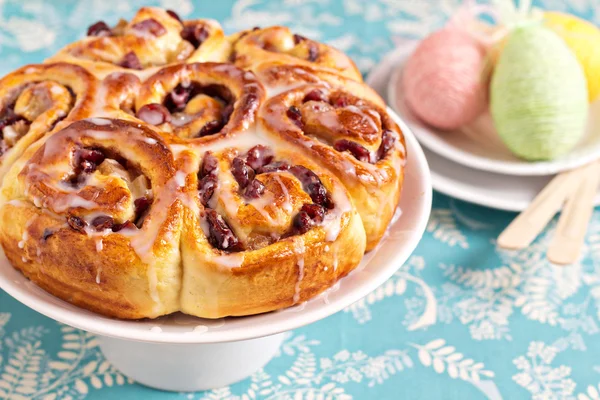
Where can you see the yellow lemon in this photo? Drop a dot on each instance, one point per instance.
(583, 38)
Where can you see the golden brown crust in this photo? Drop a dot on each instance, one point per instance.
(45, 98)
(278, 266)
(338, 114)
(153, 46)
(212, 88)
(49, 231)
(190, 185)
(277, 44)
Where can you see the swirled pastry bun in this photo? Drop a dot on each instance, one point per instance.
(95, 216)
(271, 229)
(277, 44)
(159, 166)
(153, 38)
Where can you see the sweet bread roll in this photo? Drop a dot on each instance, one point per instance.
(200, 100)
(278, 44)
(95, 217)
(161, 167)
(153, 38)
(271, 229)
(342, 126)
(38, 99)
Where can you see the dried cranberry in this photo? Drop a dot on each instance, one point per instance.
(47, 234)
(195, 34)
(150, 26)
(7, 118)
(314, 95)
(387, 142)
(124, 225)
(340, 102)
(154, 114)
(259, 156)
(358, 151)
(226, 113)
(242, 172)
(103, 222)
(274, 167)
(309, 216)
(298, 38)
(92, 155)
(319, 194)
(206, 188)
(220, 234)
(100, 28)
(141, 206)
(295, 115)
(87, 166)
(179, 97)
(255, 189)
(76, 223)
(209, 164)
(131, 61)
(210, 128)
(312, 184)
(174, 15)
(87, 162)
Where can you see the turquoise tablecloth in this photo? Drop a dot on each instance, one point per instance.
(503, 325)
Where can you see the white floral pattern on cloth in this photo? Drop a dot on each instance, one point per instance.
(462, 319)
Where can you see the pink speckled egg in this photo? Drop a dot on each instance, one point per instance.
(444, 82)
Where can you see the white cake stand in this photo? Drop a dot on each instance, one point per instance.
(183, 353)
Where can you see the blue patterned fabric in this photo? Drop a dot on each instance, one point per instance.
(461, 320)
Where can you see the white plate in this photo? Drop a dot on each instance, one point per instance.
(374, 270)
(479, 146)
(504, 192)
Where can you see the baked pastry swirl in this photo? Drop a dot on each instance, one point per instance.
(240, 175)
(278, 44)
(36, 100)
(153, 38)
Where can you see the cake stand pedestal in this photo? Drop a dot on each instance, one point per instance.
(189, 367)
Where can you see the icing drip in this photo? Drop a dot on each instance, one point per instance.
(98, 272)
(300, 249)
(287, 205)
(331, 290)
(333, 219)
(99, 244)
(229, 261)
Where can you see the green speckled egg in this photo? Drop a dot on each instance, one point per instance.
(538, 97)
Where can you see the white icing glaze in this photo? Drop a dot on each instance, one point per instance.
(99, 244)
(299, 249)
(150, 141)
(98, 272)
(367, 116)
(181, 119)
(229, 261)
(287, 204)
(177, 149)
(100, 121)
(334, 288)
